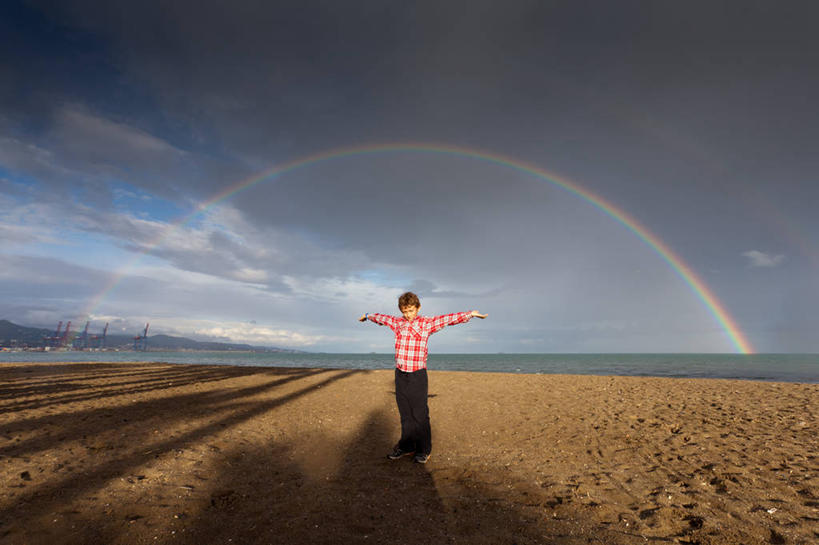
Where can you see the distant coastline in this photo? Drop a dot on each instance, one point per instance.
(17, 337)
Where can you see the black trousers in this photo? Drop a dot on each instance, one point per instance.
(411, 391)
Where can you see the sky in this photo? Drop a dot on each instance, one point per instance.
(631, 176)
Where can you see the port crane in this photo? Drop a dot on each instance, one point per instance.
(64, 339)
(82, 341)
(98, 341)
(141, 341)
(53, 339)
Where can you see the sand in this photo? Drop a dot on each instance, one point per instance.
(157, 453)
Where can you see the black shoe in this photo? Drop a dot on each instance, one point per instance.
(421, 458)
(399, 453)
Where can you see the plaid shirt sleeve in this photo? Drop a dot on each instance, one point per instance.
(384, 319)
(439, 322)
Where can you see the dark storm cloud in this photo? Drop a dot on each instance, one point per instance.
(295, 76)
(260, 82)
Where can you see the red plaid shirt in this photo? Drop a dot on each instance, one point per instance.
(411, 337)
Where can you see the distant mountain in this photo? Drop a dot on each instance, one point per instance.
(23, 336)
(13, 335)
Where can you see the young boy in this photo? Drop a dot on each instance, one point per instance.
(411, 335)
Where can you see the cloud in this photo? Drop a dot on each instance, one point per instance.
(761, 259)
(255, 335)
(23, 224)
(49, 274)
(79, 152)
(97, 138)
(425, 288)
(33, 159)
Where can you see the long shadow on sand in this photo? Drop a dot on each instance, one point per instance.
(224, 408)
(138, 418)
(77, 387)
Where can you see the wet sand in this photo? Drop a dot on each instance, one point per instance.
(157, 453)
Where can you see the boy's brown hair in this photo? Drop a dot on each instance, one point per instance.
(409, 299)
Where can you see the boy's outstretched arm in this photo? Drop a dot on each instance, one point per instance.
(380, 319)
(439, 322)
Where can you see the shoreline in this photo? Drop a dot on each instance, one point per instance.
(800, 369)
(160, 453)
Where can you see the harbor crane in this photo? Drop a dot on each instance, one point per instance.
(64, 338)
(81, 342)
(53, 339)
(98, 341)
(141, 341)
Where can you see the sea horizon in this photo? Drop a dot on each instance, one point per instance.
(761, 367)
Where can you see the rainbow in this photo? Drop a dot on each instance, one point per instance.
(697, 285)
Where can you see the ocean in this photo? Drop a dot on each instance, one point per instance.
(766, 367)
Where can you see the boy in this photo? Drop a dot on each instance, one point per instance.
(411, 335)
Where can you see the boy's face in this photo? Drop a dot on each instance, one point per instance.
(410, 312)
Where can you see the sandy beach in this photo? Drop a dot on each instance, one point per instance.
(158, 453)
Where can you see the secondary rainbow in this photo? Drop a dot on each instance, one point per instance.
(686, 273)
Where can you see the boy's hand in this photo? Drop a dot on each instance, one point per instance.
(363, 318)
(477, 314)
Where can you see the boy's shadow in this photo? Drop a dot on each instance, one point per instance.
(265, 497)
